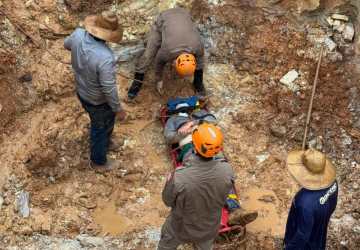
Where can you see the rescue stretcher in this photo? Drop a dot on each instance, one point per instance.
(174, 151)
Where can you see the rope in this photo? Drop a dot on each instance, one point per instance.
(312, 99)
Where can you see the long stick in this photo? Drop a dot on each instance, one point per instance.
(312, 99)
(37, 44)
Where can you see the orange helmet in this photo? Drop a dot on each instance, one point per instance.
(185, 64)
(208, 140)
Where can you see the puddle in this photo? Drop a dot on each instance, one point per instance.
(111, 221)
(269, 220)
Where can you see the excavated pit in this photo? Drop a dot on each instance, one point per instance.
(250, 46)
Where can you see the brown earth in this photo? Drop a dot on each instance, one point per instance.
(44, 131)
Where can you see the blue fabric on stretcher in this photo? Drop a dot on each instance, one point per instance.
(172, 103)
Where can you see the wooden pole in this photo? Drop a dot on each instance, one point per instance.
(312, 99)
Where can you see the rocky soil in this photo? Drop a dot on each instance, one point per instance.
(50, 199)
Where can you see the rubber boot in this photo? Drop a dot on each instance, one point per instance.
(198, 83)
(136, 85)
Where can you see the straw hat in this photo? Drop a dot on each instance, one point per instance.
(105, 26)
(311, 169)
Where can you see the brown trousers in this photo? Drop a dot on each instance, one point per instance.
(152, 46)
(168, 241)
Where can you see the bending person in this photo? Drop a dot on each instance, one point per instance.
(173, 38)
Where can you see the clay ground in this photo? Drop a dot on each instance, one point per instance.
(250, 45)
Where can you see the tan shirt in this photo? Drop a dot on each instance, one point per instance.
(196, 194)
(172, 34)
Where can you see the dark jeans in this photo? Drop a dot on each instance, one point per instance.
(102, 120)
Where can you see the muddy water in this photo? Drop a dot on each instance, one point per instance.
(269, 221)
(111, 221)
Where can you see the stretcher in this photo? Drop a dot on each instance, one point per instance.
(174, 151)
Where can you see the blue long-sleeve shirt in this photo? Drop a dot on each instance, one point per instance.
(308, 219)
(94, 65)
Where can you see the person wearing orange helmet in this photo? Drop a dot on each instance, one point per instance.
(173, 38)
(198, 191)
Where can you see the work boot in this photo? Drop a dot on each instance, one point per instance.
(136, 85)
(115, 144)
(198, 84)
(109, 165)
(242, 217)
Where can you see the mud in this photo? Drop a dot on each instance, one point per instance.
(250, 45)
(269, 219)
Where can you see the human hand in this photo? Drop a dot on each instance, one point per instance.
(121, 115)
(186, 128)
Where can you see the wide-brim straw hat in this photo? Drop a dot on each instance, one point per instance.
(105, 26)
(311, 169)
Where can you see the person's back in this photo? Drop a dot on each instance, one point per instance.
(178, 30)
(313, 205)
(309, 218)
(204, 186)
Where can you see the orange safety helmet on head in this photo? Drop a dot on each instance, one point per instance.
(208, 140)
(185, 64)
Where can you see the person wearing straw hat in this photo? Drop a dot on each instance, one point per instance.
(314, 204)
(94, 67)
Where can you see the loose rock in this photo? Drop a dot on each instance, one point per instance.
(340, 17)
(70, 245)
(335, 57)
(356, 229)
(349, 32)
(267, 198)
(22, 204)
(289, 78)
(89, 241)
(340, 28)
(330, 21)
(330, 43)
(278, 131)
(1, 202)
(26, 78)
(87, 202)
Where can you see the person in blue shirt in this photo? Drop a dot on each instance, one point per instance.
(94, 68)
(313, 205)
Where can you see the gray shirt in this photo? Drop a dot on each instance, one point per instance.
(94, 65)
(196, 194)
